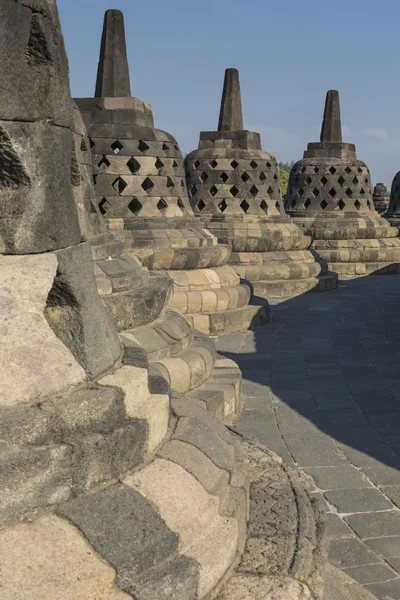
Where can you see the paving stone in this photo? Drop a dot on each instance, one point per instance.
(371, 525)
(369, 454)
(350, 552)
(307, 444)
(389, 590)
(337, 528)
(338, 478)
(343, 417)
(393, 493)
(394, 562)
(371, 573)
(358, 501)
(339, 586)
(255, 425)
(386, 423)
(388, 547)
(383, 476)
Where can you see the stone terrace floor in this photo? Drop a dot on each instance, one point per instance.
(321, 386)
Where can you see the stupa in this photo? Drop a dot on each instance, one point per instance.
(380, 198)
(330, 195)
(234, 187)
(393, 211)
(141, 192)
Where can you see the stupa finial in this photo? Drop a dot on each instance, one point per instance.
(331, 126)
(230, 116)
(113, 70)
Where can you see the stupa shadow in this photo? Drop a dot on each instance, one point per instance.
(319, 382)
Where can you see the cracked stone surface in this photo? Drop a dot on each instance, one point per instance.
(321, 388)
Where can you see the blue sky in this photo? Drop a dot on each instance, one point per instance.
(288, 52)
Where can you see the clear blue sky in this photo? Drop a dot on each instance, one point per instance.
(288, 52)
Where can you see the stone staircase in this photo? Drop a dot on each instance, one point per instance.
(215, 300)
(188, 361)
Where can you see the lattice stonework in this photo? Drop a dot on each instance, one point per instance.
(234, 185)
(139, 178)
(314, 186)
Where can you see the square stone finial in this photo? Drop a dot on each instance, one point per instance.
(331, 126)
(230, 116)
(113, 71)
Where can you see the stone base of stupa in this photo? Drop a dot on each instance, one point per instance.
(206, 290)
(273, 255)
(353, 244)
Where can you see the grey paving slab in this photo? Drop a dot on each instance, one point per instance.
(393, 492)
(328, 365)
(389, 590)
(338, 478)
(350, 552)
(375, 524)
(371, 573)
(383, 475)
(358, 501)
(388, 547)
(337, 528)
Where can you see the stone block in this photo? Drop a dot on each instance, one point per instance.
(102, 457)
(95, 409)
(265, 588)
(76, 314)
(212, 478)
(188, 510)
(205, 438)
(33, 478)
(350, 552)
(38, 212)
(34, 362)
(124, 528)
(35, 50)
(173, 580)
(49, 559)
(140, 404)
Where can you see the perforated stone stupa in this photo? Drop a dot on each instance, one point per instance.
(381, 198)
(141, 192)
(393, 211)
(330, 195)
(234, 188)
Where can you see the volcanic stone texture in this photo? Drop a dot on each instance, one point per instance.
(234, 187)
(330, 195)
(37, 211)
(381, 198)
(140, 190)
(393, 211)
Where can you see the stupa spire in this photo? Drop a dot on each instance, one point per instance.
(230, 116)
(113, 70)
(331, 126)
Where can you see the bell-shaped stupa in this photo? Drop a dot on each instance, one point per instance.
(234, 188)
(141, 192)
(330, 195)
(381, 198)
(393, 211)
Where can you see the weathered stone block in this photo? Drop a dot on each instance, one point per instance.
(35, 52)
(77, 316)
(34, 363)
(49, 559)
(123, 527)
(33, 478)
(37, 209)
